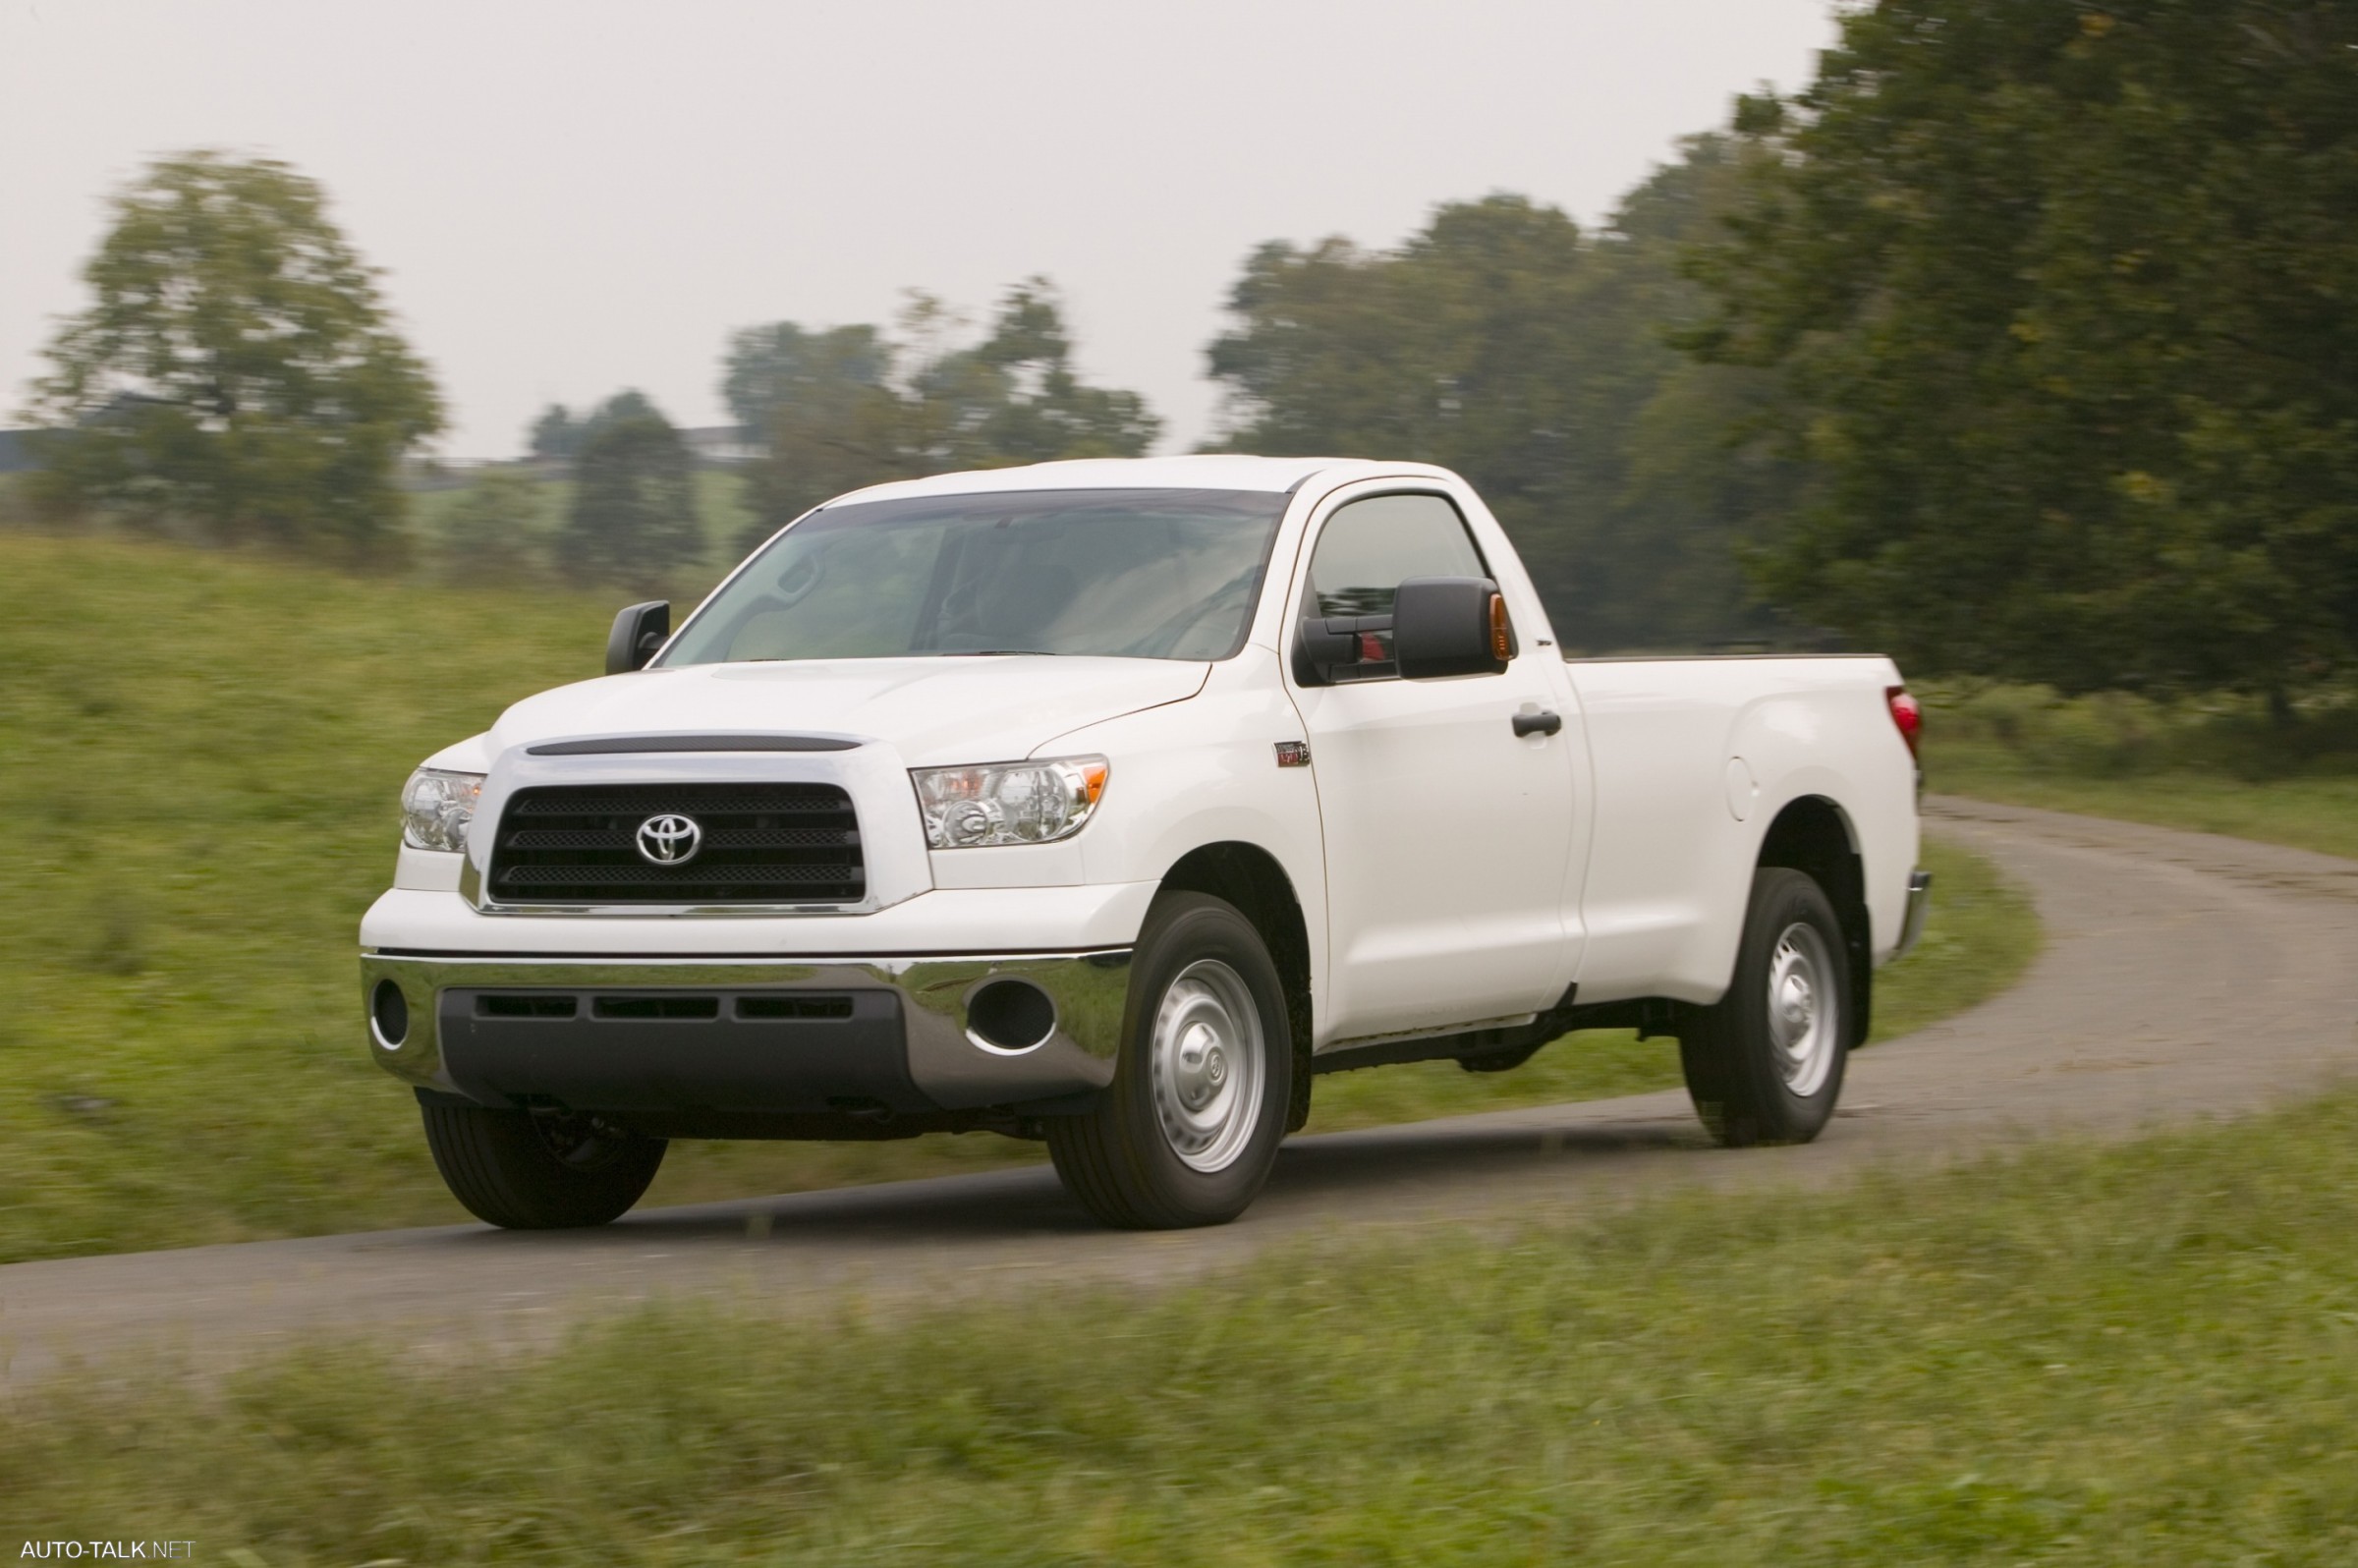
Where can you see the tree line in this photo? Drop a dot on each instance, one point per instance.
(2019, 343)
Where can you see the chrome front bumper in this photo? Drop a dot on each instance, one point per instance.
(756, 1030)
(1920, 903)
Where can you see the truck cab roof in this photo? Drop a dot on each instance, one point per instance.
(1204, 472)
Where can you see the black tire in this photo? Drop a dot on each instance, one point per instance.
(1748, 1085)
(521, 1171)
(1123, 1160)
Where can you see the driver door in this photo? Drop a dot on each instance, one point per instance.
(1447, 834)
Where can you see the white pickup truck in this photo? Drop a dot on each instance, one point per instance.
(1109, 803)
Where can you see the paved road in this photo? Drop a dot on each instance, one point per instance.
(2185, 976)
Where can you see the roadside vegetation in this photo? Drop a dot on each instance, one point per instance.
(507, 524)
(202, 749)
(2215, 763)
(2141, 1354)
(2082, 419)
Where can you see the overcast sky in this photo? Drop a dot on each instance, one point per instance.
(572, 198)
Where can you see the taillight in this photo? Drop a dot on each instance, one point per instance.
(1908, 715)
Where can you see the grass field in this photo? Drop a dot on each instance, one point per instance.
(202, 753)
(2145, 1356)
(2216, 765)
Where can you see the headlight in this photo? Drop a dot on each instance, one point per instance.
(1008, 803)
(437, 806)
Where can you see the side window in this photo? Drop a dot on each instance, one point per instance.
(1366, 550)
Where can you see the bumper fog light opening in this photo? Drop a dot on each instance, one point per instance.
(389, 1014)
(1009, 1016)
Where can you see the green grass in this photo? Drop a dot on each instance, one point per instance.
(201, 753)
(2145, 1355)
(2215, 764)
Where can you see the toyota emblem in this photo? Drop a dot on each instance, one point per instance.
(669, 840)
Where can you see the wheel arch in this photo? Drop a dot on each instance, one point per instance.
(1250, 877)
(1814, 835)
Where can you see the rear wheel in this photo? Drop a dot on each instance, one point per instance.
(1188, 1131)
(526, 1172)
(1765, 1064)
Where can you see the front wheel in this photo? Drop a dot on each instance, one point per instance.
(1189, 1127)
(523, 1171)
(1764, 1065)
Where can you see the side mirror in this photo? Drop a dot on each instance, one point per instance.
(1444, 626)
(1321, 643)
(637, 633)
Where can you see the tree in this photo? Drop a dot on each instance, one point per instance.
(1034, 408)
(769, 368)
(237, 370)
(633, 517)
(2058, 300)
(1506, 344)
(857, 407)
(558, 434)
(555, 435)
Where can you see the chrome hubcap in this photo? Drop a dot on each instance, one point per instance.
(1804, 1014)
(1206, 1061)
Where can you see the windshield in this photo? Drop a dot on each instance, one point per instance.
(1135, 573)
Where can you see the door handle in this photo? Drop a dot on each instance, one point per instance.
(1538, 723)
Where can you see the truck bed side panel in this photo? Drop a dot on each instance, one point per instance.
(1677, 749)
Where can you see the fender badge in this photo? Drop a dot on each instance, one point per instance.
(1293, 754)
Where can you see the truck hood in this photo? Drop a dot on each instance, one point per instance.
(933, 712)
